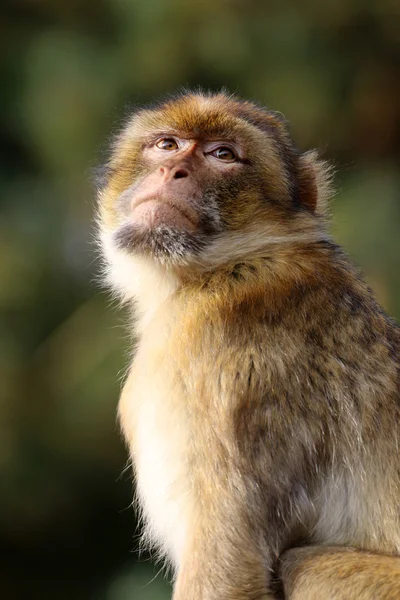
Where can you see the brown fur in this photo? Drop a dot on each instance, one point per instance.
(337, 573)
(262, 405)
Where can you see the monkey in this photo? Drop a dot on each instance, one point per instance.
(261, 406)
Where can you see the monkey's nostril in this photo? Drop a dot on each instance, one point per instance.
(180, 173)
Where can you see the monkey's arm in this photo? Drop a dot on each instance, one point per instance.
(242, 515)
(335, 573)
(214, 571)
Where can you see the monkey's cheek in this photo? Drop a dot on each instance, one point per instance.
(153, 213)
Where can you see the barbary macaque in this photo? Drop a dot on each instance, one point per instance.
(261, 408)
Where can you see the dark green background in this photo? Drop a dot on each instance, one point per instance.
(69, 71)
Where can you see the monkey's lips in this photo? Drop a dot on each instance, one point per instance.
(154, 212)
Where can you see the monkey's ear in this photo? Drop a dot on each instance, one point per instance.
(315, 183)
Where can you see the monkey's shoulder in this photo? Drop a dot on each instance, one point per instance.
(323, 334)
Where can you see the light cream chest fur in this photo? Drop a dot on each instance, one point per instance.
(155, 424)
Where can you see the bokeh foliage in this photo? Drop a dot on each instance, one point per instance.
(70, 70)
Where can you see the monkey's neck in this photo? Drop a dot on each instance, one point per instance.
(267, 281)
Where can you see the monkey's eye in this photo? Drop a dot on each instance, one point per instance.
(224, 153)
(167, 144)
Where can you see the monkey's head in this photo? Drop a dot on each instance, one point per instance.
(203, 180)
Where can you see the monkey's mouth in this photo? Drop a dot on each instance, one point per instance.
(155, 212)
(167, 228)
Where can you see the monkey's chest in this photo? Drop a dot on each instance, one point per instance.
(158, 436)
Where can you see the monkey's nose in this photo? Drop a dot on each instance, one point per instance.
(173, 172)
(180, 173)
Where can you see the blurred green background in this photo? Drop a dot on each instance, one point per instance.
(70, 69)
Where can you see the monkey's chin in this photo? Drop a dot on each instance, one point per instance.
(165, 243)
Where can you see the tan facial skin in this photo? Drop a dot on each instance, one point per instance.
(166, 195)
(262, 405)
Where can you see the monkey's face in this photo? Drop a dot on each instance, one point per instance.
(175, 204)
(189, 180)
